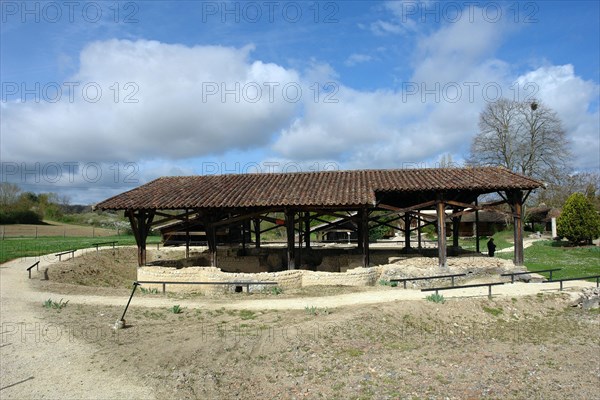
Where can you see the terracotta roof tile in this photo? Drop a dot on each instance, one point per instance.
(330, 188)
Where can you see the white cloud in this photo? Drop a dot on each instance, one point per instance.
(435, 112)
(356, 58)
(428, 116)
(171, 118)
(381, 28)
(401, 19)
(363, 129)
(570, 96)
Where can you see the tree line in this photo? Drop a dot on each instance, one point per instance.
(21, 207)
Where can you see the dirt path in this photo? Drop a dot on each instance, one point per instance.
(526, 243)
(34, 366)
(40, 360)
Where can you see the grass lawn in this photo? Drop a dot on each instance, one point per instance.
(502, 239)
(574, 261)
(11, 248)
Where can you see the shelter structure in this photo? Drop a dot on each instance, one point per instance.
(484, 223)
(368, 198)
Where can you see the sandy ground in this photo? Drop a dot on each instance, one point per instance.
(33, 366)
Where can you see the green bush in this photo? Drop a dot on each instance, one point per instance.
(19, 217)
(578, 222)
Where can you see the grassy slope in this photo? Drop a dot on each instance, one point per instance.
(574, 261)
(12, 248)
(503, 240)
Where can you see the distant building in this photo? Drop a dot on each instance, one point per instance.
(174, 234)
(490, 222)
(542, 215)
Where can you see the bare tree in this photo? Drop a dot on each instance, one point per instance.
(9, 194)
(588, 183)
(525, 137)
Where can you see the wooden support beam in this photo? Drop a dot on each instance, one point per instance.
(242, 217)
(364, 235)
(211, 238)
(441, 225)
(307, 229)
(516, 203)
(407, 231)
(257, 233)
(477, 228)
(141, 222)
(187, 235)
(243, 229)
(330, 224)
(458, 204)
(406, 209)
(360, 230)
(455, 227)
(168, 217)
(291, 233)
(271, 228)
(419, 231)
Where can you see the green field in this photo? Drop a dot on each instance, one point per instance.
(11, 248)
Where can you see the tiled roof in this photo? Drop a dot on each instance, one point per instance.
(328, 188)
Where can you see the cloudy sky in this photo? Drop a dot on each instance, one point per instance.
(99, 97)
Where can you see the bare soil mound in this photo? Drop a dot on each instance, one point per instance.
(105, 268)
(530, 347)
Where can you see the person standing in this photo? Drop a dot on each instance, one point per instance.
(491, 247)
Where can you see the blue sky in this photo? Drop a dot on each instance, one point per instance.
(98, 97)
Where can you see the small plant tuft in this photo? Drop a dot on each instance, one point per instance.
(384, 282)
(276, 290)
(436, 298)
(317, 311)
(494, 311)
(53, 304)
(247, 314)
(176, 309)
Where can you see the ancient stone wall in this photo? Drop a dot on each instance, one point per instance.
(342, 269)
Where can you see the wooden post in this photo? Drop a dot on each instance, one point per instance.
(364, 235)
(441, 224)
(140, 225)
(211, 238)
(407, 231)
(257, 233)
(455, 227)
(289, 225)
(517, 208)
(307, 229)
(455, 234)
(244, 237)
(359, 230)
(477, 227)
(187, 234)
(142, 244)
(419, 230)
